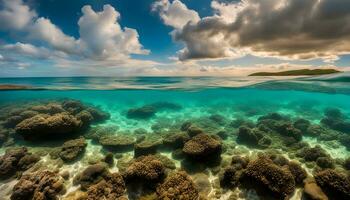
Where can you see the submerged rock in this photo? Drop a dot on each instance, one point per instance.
(91, 175)
(72, 149)
(146, 147)
(230, 177)
(253, 137)
(177, 186)
(203, 147)
(302, 124)
(39, 185)
(16, 160)
(175, 140)
(194, 130)
(95, 133)
(298, 172)
(144, 112)
(53, 120)
(313, 191)
(100, 183)
(110, 188)
(219, 119)
(312, 153)
(117, 142)
(347, 163)
(40, 126)
(269, 178)
(334, 184)
(336, 120)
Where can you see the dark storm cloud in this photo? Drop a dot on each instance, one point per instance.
(293, 29)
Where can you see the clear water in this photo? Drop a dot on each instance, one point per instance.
(234, 98)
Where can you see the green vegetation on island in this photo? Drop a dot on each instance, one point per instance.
(301, 72)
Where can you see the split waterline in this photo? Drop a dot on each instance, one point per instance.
(286, 118)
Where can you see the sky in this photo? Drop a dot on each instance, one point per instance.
(171, 37)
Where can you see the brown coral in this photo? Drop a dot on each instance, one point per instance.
(177, 186)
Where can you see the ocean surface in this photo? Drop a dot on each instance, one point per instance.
(211, 104)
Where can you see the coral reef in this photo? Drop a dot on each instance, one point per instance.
(117, 143)
(41, 185)
(72, 149)
(334, 184)
(54, 120)
(177, 186)
(147, 146)
(203, 147)
(145, 168)
(266, 175)
(144, 112)
(16, 160)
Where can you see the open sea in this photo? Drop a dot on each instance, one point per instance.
(294, 119)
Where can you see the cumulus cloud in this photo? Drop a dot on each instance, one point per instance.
(30, 50)
(101, 36)
(175, 13)
(43, 30)
(287, 29)
(14, 15)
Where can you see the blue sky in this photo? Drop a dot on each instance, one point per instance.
(171, 37)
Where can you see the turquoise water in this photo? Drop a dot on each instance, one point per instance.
(196, 100)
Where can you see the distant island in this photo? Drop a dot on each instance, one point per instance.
(13, 87)
(300, 72)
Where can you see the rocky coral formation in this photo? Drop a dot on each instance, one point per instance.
(117, 143)
(336, 120)
(298, 172)
(16, 160)
(41, 126)
(100, 183)
(147, 146)
(72, 149)
(145, 168)
(334, 184)
(313, 191)
(53, 119)
(230, 176)
(111, 187)
(40, 185)
(269, 177)
(91, 175)
(175, 140)
(193, 130)
(316, 154)
(148, 111)
(144, 112)
(96, 132)
(253, 137)
(203, 147)
(177, 186)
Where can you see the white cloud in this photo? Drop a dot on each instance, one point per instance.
(45, 31)
(175, 13)
(30, 50)
(14, 15)
(101, 37)
(227, 11)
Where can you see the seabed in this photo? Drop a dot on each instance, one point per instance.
(263, 142)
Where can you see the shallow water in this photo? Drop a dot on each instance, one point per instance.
(196, 100)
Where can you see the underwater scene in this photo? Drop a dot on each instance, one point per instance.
(175, 138)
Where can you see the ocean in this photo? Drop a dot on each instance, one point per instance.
(272, 118)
